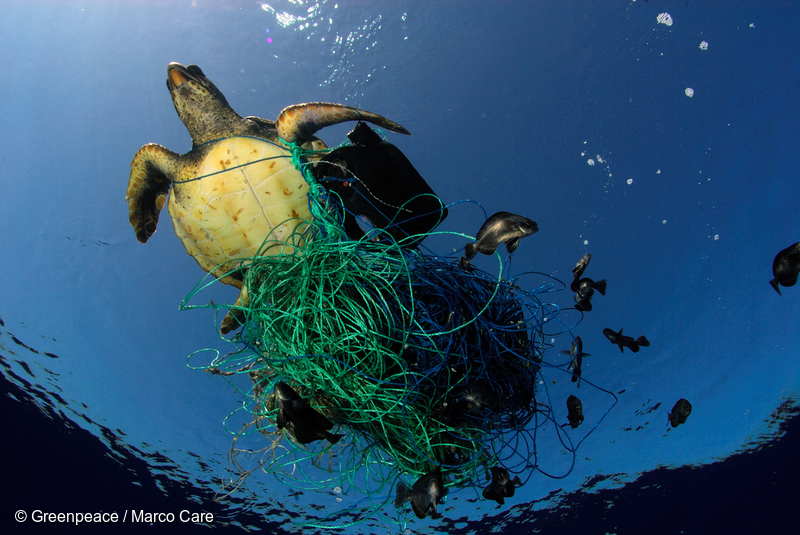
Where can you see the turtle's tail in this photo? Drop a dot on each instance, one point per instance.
(301, 121)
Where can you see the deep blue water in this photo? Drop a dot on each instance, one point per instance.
(685, 203)
(749, 492)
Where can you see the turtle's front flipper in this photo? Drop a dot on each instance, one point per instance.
(148, 187)
(299, 122)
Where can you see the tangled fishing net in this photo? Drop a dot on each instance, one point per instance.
(418, 361)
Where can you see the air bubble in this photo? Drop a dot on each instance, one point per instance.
(664, 18)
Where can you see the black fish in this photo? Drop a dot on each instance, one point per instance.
(501, 227)
(307, 424)
(576, 354)
(680, 412)
(501, 486)
(424, 494)
(786, 267)
(584, 290)
(625, 341)
(580, 267)
(574, 411)
(577, 271)
(374, 180)
(587, 287)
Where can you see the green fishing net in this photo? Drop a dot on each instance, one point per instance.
(417, 360)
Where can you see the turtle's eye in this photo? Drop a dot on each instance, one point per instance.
(194, 69)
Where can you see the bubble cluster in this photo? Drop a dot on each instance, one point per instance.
(664, 18)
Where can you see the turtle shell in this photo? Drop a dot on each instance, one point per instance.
(243, 190)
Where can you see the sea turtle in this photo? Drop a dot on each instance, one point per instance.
(237, 184)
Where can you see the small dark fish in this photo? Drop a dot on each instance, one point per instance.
(501, 227)
(580, 267)
(574, 411)
(680, 412)
(424, 494)
(501, 486)
(786, 267)
(576, 354)
(307, 424)
(584, 290)
(625, 341)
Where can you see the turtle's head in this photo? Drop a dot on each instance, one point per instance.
(200, 105)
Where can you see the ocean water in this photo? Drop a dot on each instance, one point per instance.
(661, 137)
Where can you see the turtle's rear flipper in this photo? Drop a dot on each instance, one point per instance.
(148, 187)
(299, 122)
(235, 316)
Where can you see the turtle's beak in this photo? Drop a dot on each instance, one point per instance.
(177, 75)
